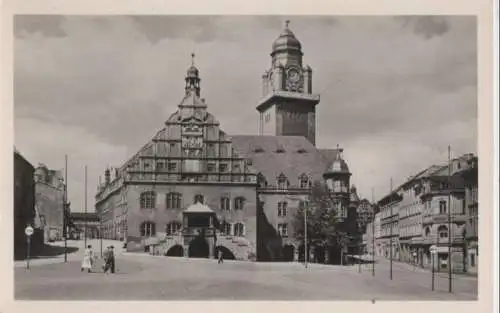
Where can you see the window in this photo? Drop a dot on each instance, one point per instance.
(302, 204)
(148, 229)
(442, 207)
(148, 200)
(226, 228)
(239, 229)
(172, 166)
(223, 150)
(303, 181)
(159, 165)
(225, 204)
(174, 200)
(239, 202)
(472, 260)
(443, 231)
(198, 198)
(222, 168)
(282, 182)
(283, 229)
(172, 228)
(282, 208)
(211, 167)
(211, 150)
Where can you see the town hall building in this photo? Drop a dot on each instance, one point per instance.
(193, 189)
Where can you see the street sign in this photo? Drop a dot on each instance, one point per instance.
(433, 250)
(28, 231)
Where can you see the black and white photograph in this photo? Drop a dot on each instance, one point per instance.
(246, 157)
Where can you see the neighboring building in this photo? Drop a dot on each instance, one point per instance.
(83, 222)
(470, 176)
(417, 213)
(49, 194)
(24, 207)
(389, 230)
(193, 189)
(378, 233)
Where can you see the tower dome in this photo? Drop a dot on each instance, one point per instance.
(192, 71)
(286, 41)
(338, 166)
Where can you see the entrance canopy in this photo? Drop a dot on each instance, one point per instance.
(200, 215)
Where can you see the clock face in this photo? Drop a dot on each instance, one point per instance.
(294, 80)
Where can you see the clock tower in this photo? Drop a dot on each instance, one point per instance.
(287, 107)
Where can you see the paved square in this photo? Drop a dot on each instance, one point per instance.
(142, 277)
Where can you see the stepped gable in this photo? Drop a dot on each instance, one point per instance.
(290, 155)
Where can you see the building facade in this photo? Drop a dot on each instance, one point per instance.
(193, 189)
(24, 204)
(83, 224)
(49, 198)
(470, 176)
(416, 216)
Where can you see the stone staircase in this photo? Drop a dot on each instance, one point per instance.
(241, 247)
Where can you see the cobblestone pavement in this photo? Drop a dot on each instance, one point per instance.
(160, 278)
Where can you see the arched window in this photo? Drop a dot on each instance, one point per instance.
(282, 208)
(304, 181)
(239, 202)
(172, 228)
(225, 204)
(148, 229)
(239, 229)
(261, 180)
(174, 200)
(148, 200)
(282, 182)
(443, 232)
(198, 198)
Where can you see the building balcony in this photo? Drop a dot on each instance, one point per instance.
(443, 218)
(433, 240)
(195, 231)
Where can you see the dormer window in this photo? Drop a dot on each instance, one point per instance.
(258, 150)
(301, 150)
(282, 182)
(280, 150)
(261, 180)
(303, 181)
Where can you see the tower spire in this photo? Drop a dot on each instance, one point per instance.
(192, 78)
(286, 23)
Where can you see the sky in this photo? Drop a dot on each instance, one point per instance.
(395, 90)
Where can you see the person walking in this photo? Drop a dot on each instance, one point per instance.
(220, 257)
(88, 259)
(109, 260)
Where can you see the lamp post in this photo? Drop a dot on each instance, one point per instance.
(85, 217)
(373, 236)
(450, 241)
(391, 224)
(65, 208)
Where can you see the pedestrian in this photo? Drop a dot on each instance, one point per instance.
(88, 259)
(220, 257)
(107, 260)
(112, 257)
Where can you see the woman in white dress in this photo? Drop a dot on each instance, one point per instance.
(88, 259)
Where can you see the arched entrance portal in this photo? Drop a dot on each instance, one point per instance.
(176, 250)
(198, 248)
(226, 253)
(288, 252)
(319, 254)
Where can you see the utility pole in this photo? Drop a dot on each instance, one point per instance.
(65, 207)
(390, 221)
(305, 233)
(450, 241)
(85, 218)
(373, 235)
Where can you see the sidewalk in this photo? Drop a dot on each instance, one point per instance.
(415, 268)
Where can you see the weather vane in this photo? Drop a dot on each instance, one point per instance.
(286, 23)
(192, 58)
